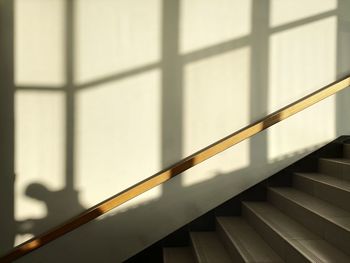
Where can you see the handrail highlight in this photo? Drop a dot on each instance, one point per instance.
(176, 169)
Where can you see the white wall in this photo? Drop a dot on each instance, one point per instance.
(115, 90)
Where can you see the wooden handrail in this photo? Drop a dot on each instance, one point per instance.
(176, 169)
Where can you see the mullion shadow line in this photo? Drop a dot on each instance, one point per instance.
(119, 76)
(70, 97)
(41, 88)
(259, 73)
(172, 91)
(217, 49)
(301, 22)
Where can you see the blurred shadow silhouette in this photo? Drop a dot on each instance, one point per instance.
(57, 203)
(106, 237)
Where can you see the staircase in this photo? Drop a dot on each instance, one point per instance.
(304, 216)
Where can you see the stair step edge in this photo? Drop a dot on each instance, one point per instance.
(293, 247)
(243, 238)
(208, 248)
(330, 215)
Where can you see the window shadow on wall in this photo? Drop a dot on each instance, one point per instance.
(62, 204)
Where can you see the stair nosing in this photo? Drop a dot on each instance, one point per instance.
(243, 251)
(313, 211)
(204, 251)
(342, 160)
(304, 175)
(233, 241)
(279, 233)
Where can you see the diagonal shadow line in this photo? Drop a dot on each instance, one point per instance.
(119, 76)
(41, 88)
(216, 49)
(302, 22)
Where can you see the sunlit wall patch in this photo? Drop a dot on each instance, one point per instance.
(114, 36)
(302, 59)
(289, 11)
(117, 135)
(206, 23)
(216, 103)
(39, 154)
(39, 43)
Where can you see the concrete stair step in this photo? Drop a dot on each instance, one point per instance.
(178, 254)
(338, 167)
(326, 220)
(328, 188)
(243, 242)
(208, 248)
(290, 239)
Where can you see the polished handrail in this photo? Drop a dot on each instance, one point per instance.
(176, 169)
